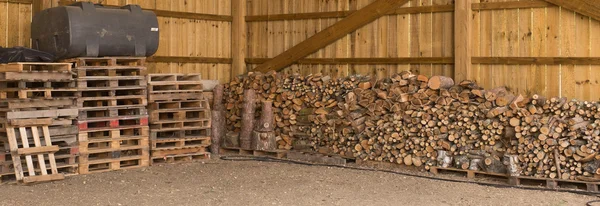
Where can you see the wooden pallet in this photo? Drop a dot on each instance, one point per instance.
(107, 61)
(24, 85)
(34, 66)
(108, 123)
(95, 72)
(317, 158)
(36, 104)
(106, 165)
(179, 133)
(65, 170)
(554, 183)
(111, 82)
(112, 92)
(180, 125)
(59, 131)
(176, 96)
(179, 143)
(180, 158)
(136, 100)
(162, 78)
(179, 114)
(29, 153)
(34, 114)
(179, 105)
(36, 76)
(121, 133)
(467, 173)
(90, 113)
(165, 83)
(170, 152)
(524, 181)
(65, 158)
(240, 151)
(48, 93)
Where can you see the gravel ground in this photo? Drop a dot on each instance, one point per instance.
(217, 182)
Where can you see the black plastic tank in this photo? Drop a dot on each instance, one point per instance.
(87, 30)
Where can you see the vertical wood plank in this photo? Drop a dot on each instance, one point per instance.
(553, 38)
(539, 75)
(582, 72)
(48, 141)
(28, 159)
(499, 46)
(4, 24)
(487, 42)
(462, 39)
(13, 25)
(40, 157)
(594, 52)
(13, 144)
(515, 78)
(567, 49)
(425, 39)
(437, 37)
(475, 45)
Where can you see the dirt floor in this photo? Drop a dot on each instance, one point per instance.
(218, 182)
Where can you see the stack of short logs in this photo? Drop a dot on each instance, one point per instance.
(38, 91)
(426, 121)
(180, 118)
(113, 120)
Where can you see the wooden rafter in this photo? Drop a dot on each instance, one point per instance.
(403, 10)
(589, 8)
(329, 35)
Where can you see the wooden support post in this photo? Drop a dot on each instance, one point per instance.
(247, 119)
(218, 119)
(462, 40)
(331, 34)
(238, 37)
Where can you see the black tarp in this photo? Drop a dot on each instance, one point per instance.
(22, 54)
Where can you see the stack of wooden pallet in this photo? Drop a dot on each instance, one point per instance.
(38, 91)
(179, 118)
(113, 121)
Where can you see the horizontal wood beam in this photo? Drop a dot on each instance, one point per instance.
(403, 10)
(189, 15)
(537, 60)
(402, 60)
(181, 59)
(510, 5)
(444, 60)
(166, 13)
(18, 1)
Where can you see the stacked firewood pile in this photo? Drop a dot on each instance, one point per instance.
(416, 120)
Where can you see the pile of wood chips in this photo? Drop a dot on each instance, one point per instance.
(409, 119)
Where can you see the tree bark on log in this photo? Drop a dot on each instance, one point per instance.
(218, 119)
(440, 82)
(247, 119)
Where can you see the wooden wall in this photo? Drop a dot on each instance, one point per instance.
(196, 38)
(527, 28)
(15, 21)
(402, 35)
(195, 35)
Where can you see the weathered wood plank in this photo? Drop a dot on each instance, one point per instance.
(329, 35)
(462, 40)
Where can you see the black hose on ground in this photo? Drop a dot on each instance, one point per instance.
(271, 159)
